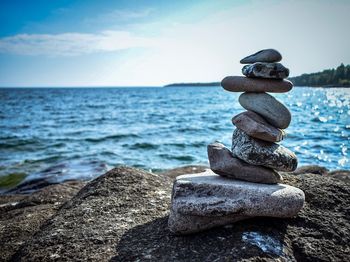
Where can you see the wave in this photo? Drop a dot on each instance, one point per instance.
(19, 143)
(186, 158)
(111, 137)
(144, 146)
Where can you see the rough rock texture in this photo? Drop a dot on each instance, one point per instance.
(256, 126)
(224, 164)
(22, 215)
(320, 231)
(262, 153)
(341, 174)
(206, 200)
(311, 169)
(265, 55)
(266, 70)
(268, 107)
(89, 225)
(245, 84)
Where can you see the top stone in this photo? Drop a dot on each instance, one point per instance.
(266, 55)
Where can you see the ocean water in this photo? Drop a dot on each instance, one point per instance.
(79, 133)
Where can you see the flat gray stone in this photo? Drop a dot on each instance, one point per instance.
(266, 55)
(268, 107)
(258, 85)
(224, 164)
(262, 153)
(206, 200)
(266, 70)
(256, 126)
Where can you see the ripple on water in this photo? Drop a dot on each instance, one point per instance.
(111, 137)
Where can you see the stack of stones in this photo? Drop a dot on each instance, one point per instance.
(244, 182)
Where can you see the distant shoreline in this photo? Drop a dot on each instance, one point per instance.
(214, 84)
(193, 84)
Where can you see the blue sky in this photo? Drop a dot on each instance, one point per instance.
(152, 43)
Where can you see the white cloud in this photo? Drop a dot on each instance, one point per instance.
(71, 44)
(124, 15)
(117, 17)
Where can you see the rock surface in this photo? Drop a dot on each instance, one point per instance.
(245, 84)
(262, 153)
(266, 70)
(320, 231)
(224, 164)
(90, 224)
(21, 216)
(206, 200)
(266, 55)
(311, 169)
(341, 175)
(256, 126)
(268, 107)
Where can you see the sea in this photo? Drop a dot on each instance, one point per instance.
(79, 133)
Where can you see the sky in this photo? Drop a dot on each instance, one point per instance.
(70, 43)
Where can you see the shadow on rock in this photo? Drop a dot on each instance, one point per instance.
(258, 238)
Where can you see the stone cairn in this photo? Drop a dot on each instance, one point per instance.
(244, 182)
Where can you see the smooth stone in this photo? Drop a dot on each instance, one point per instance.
(266, 70)
(224, 164)
(245, 84)
(256, 126)
(268, 107)
(206, 200)
(266, 55)
(262, 153)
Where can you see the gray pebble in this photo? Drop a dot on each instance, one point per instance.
(268, 107)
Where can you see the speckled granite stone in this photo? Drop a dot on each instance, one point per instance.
(263, 153)
(266, 70)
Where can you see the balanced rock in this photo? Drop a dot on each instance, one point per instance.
(266, 55)
(224, 164)
(262, 153)
(267, 106)
(266, 70)
(245, 84)
(206, 200)
(256, 126)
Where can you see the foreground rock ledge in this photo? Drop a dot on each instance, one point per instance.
(206, 200)
(123, 216)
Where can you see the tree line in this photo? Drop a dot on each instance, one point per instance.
(330, 77)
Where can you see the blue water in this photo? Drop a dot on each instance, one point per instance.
(80, 133)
